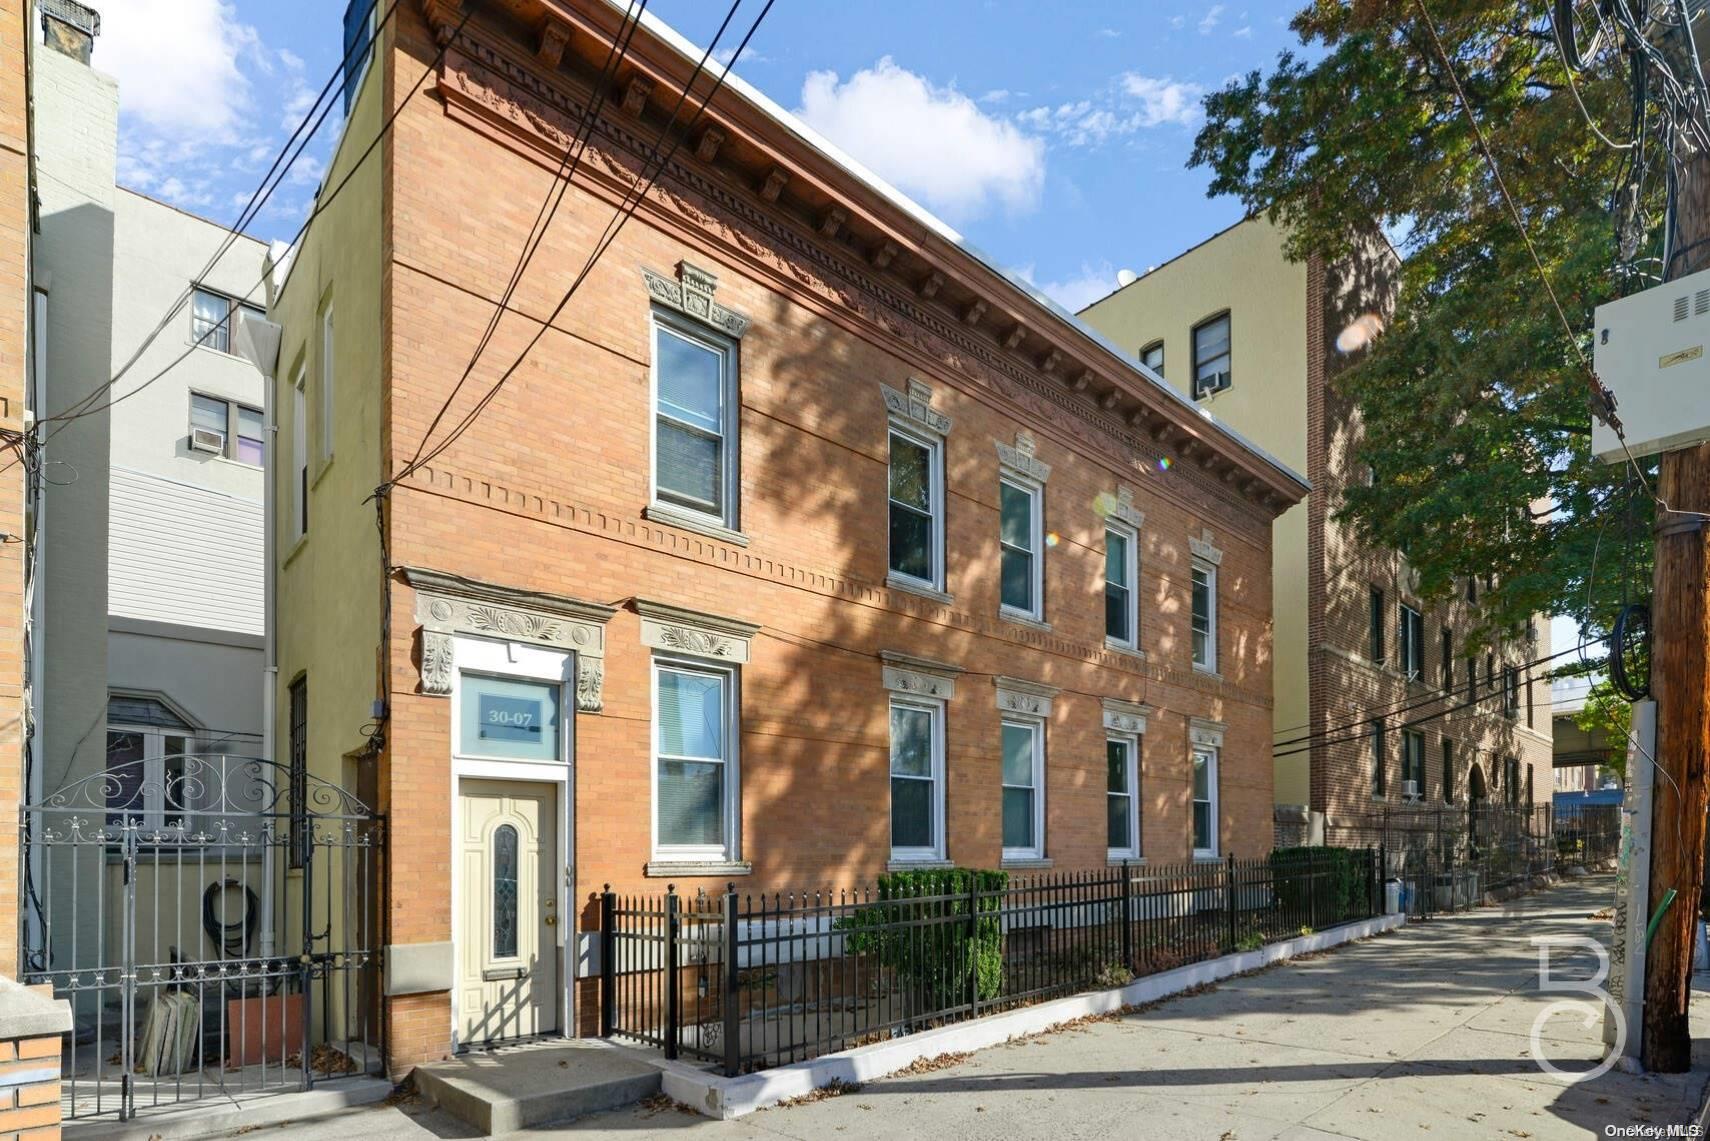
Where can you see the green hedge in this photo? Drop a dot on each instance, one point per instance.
(919, 928)
(1340, 875)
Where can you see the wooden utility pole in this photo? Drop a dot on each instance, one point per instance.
(1680, 682)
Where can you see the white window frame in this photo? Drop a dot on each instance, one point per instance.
(731, 850)
(511, 661)
(1146, 350)
(328, 381)
(227, 328)
(934, 446)
(1035, 492)
(1132, 742)
(730, 515)
(1130, 536)
(1409, 739)
(1411, 636)
(1036, 726)
(1209, 663)
(1210, 752)
(228, 446)
(936, 852)
(300, 451)
(1200, 391)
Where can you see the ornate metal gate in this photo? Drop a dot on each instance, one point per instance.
(213, 923)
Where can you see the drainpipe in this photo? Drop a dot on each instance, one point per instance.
(257, 341)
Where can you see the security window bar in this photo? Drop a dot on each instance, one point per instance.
(226, 428)
(694, 424)
(693, 746)
(915, 514)
(1019, 535)
(1410, 629)
(1023, 789)
(1121, 615)
(213, 316)
(917, 781)
(1211, 370)
(1204, 617)
(1204, 802)
(1122, 797)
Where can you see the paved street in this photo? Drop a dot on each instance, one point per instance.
(1419, 1033)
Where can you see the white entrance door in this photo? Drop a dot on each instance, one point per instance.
(507, 984)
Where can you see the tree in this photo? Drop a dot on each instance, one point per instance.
(1474, 403)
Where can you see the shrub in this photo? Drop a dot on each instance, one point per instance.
(1340, 875)
(919, 927)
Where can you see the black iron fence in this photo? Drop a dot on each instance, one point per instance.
(753, 981)
(216, 936)
(1451, 859)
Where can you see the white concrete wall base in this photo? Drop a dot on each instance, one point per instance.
(723, 1098)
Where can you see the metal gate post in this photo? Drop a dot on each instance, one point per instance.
(974, 944)
(305, 839)
(1127, 896)
(732, 987)
(608, 961)
(1312, 888)
(128, 972)
(1229, 896)
(673, 999)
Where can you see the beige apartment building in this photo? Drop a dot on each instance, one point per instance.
(1382, 701)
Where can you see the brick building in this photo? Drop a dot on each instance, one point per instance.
(803, 545)
(1385, 702)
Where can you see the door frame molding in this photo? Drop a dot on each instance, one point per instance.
(531, 663)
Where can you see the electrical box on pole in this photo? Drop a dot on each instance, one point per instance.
(1650, 351)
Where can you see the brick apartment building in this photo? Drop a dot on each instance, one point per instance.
(805, 544)
(1252, 339)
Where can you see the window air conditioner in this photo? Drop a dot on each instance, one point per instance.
(207, 440)
(1410, 790)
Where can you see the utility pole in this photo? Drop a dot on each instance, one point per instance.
(1680, 683)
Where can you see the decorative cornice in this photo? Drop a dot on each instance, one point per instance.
(1125, 716)
(915, 406)
(918, 677)
(692, 295)
(1204, 731)
(1205, 549)
(449, 605)
(1120, 507)
(677, 630)
(1017, 695)
(1021, 458)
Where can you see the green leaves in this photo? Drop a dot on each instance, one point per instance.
(1472, 407)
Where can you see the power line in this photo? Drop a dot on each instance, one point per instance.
(625, 211)
(566, 173)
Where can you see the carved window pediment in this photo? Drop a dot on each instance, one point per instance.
(1204, 549)
(691, 294)
(1020, 457)
(919, 677)
(1126, 716)
(680, 631)
(915, 407)
(1015, 695)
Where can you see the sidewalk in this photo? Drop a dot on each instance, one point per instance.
(1422, 1033)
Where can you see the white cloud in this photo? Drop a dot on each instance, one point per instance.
(1079, 289)
(724, 57)
(995, 95)
(1244, 32)
(1209, 21)
(1163, 100)
(1108, 33)
(930, 141)
(179, 64)
(1178, 22)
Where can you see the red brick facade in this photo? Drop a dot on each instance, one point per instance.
(1347, 683)
(845, 295)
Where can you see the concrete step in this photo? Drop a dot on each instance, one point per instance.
(515, 1087)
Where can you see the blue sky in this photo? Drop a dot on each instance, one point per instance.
(1054, 135)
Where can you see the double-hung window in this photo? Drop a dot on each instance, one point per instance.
(1376, 621)
(1410, 630)
(694, 422)
(1211, 372)
(1511, 692)
(1448, 659)
(917, 780)
(695, 752)
(1380, 770)
(1121, 590)
(213, 317)
(226, 428)
(1412, 764)
(1122, 796)
(1448, 771)
(1023, 745)
(1204, 617)
(1021, 544)
(917, 508)
(1204, 801)
(1152, 356)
